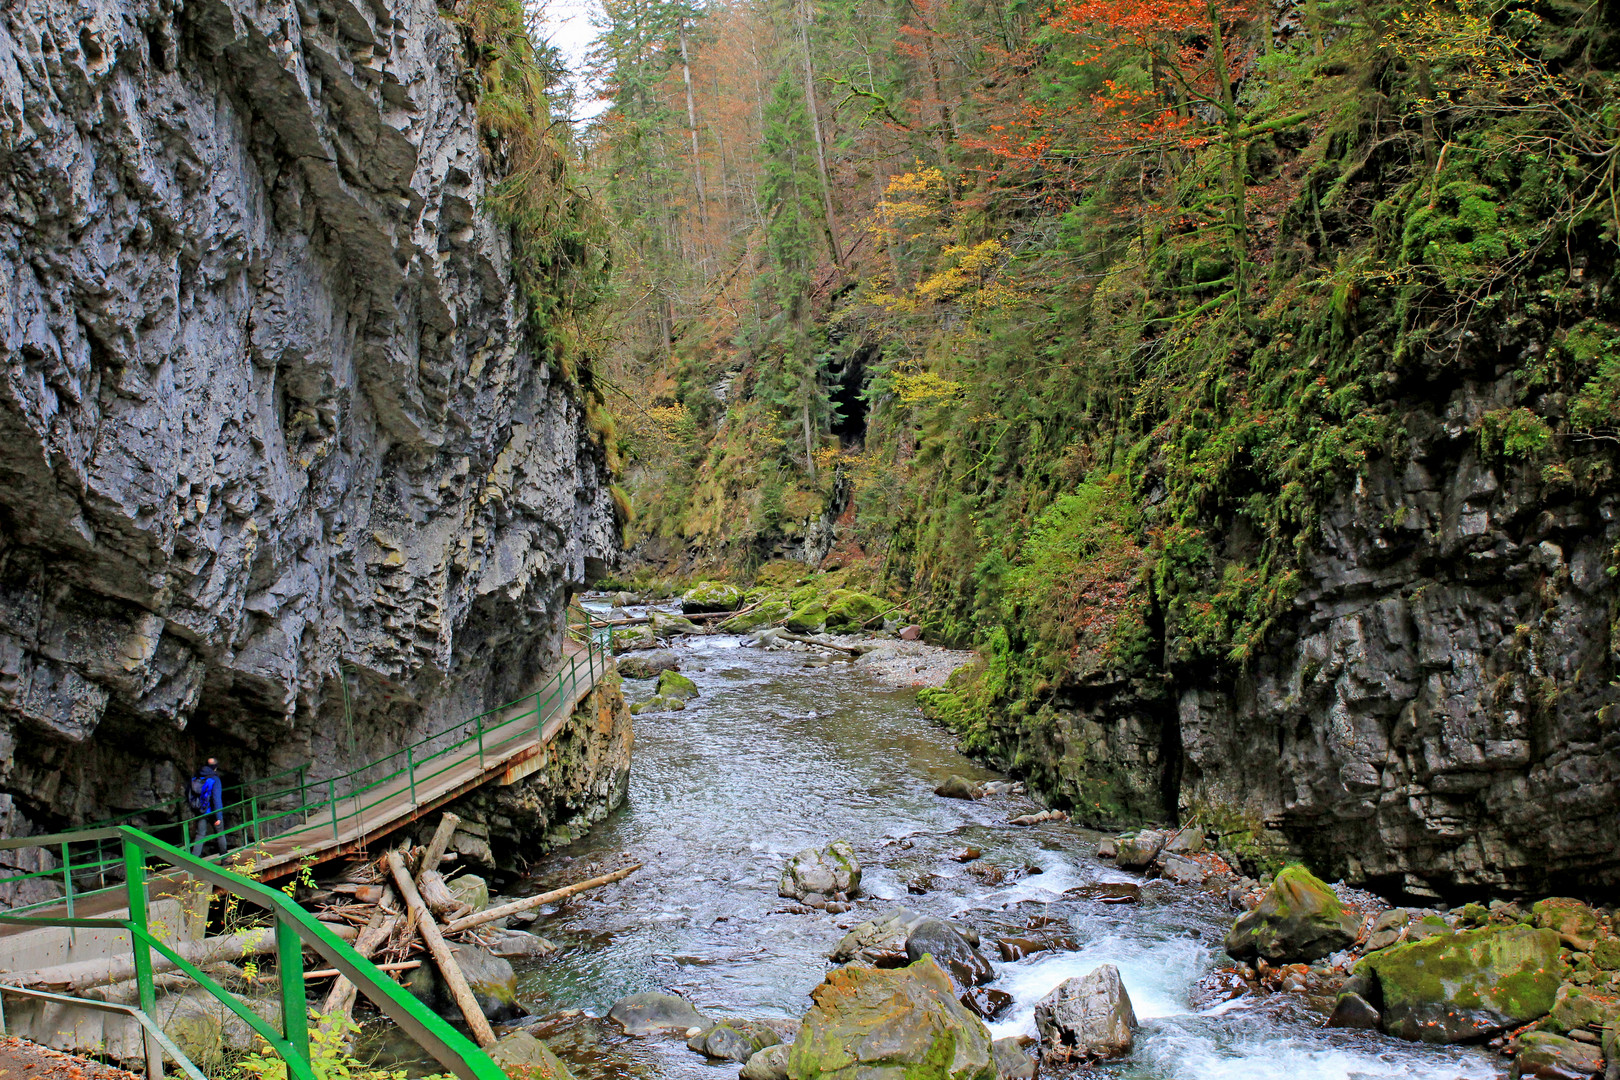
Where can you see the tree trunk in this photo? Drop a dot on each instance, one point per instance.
(1236, 163)
(442, 956)
(831, 224)
(691, 123)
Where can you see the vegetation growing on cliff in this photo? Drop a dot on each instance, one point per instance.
(1094, 308)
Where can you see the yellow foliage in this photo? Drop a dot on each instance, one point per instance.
(924, 388)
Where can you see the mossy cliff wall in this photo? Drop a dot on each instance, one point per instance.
(283, 477)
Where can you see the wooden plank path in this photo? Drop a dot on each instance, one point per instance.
(509, 745)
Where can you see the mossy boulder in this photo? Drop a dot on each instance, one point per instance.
(649, 665)
(768, 613)
(711, 596)
(1468, 985)
(668, 626)
(808, 619)
(672, 684)
(520, 1054)
(656, 704)
(894, 1024)
(851, 610)
(1299, 919)
(1571, 918)
(1541, 1053)
(1583, 1007)
(626, 638)
(825, 871)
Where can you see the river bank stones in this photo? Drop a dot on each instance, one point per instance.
(958, 787)
(770, 1063)
(648, 1013)
(648, 665)
(1298, 919)
(821, 871)
(868, 1023)
(1087, 1018)
(521, 1054)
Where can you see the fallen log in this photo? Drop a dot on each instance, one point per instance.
(79, 974)
(437, 896)
(442, 956)
(433, 854)
(398, 965)
(785, 636)
(491, 914)
(340, 999)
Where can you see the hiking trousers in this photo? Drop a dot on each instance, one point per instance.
(204, 825)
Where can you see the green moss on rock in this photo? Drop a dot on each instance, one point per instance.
(1299, 918)
(851, 610)
(672, 684)
(899, 1024)
(1469, 985)
(768, 613)
(808, 619)
(710, 596)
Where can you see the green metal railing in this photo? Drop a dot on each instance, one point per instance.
(334, 803)
(295, 928)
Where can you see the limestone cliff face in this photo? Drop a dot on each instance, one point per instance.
(271, 438)
(1437, 715)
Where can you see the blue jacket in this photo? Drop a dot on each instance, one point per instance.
(213, 794)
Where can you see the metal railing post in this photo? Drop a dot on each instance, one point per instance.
(331, 799)
(410, 771)
(479, 724)
(303, 791)
(135, 884)
(290, 970)
(253, 805)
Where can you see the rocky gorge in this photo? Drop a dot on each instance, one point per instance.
(289, 477)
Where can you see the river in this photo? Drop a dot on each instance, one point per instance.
(782, 751)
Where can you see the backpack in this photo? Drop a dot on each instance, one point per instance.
(194, 794)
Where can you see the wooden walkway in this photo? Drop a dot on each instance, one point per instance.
(513, 746)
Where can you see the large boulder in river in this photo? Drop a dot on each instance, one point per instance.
(627, 638)
(828, 870)
(1137, 850)
(875, 1024)
(768, 613)
(1087, 1018)
(711, 596)
(937, 938)
(1466, 986)
(643, 1014)
(648, 665)
(1298, 919)
(958, 787)
(677, 687)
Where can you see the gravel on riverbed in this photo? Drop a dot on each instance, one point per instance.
(908, 663)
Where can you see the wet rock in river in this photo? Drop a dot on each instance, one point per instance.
(1299, 918)
(733, 1040)
(644, 1014)
(648, 665)
(1107, 892)
(1576, 923)
(986, 1002)
(674, 685)
(958, 787)
(951, 950)
(828, 870)
(1107, 848)
(1087, 1018)
(628, 638)
(869, 1023)
(1017, 948)
(1134, 852)
(1012, 1061)
(1353, 1011)
(770, 1063)
(512, 943)
(1468, 985)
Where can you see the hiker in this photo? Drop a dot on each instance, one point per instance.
(207, 799)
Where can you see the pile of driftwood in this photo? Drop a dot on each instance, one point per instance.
(431, 914)
(365, 909)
